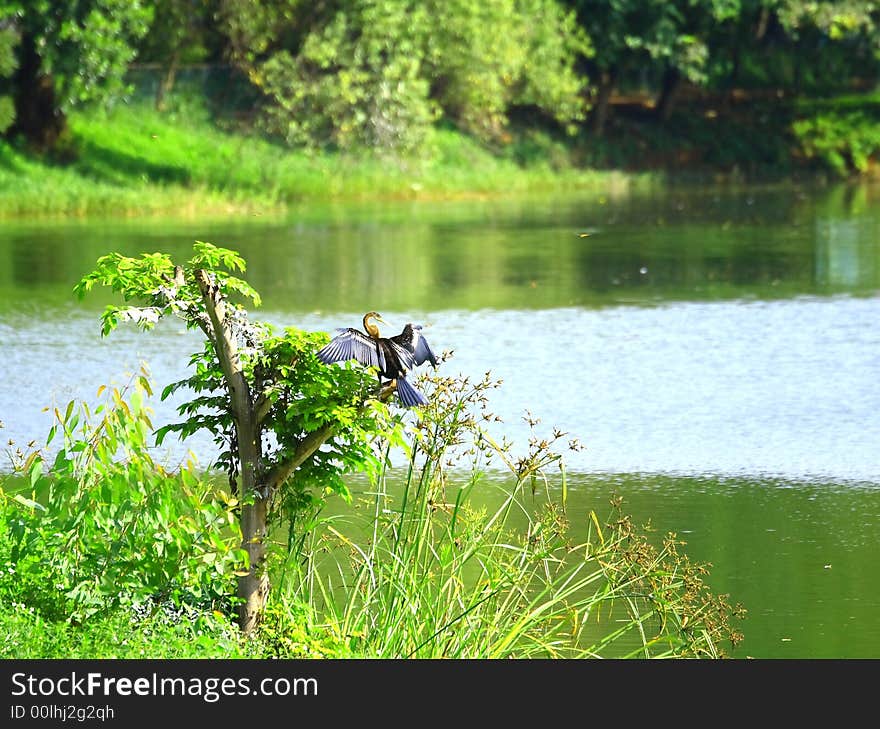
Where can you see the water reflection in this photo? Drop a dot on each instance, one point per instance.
(693, 245)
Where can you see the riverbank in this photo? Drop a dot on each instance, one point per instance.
(135, 161)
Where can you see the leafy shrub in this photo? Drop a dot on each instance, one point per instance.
(122, 633)
(376, 75)
(844, 141)
(8, 65)
(105, 525)
(352, 84)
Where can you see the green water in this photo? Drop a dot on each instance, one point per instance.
(799, 555)
(716, 349)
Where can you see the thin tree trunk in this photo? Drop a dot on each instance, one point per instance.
(668, 92)
(607, 82)
(37, 115)
(797, 76)
(253, 587)
(728, 97)
(762, 24)
(167, 81)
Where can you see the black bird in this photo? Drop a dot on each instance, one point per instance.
(392, 356)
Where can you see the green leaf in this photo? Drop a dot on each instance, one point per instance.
(36, 470)
(29, 503)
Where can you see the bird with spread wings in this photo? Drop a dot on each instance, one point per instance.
(393, 356)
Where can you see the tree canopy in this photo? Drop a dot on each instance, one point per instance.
(380, 74)
(67, 54)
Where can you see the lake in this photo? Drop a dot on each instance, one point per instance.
(715, 348)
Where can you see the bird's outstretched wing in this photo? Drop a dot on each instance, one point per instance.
(349, 344)
(421, 348)
(413, 341)
(402, 354)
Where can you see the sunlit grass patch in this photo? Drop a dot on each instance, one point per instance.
(134, 160)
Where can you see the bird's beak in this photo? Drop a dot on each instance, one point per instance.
(380, 320)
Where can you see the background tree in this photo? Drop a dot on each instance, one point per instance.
(830, 40)
(182, 32)
(357, 80)
(681, 47)
(8, 43)
(667, 41)
(378, 74)
(487, 57)
(68, 53)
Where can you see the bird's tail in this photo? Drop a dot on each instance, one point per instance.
(409, 396)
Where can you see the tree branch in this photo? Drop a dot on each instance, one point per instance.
(304, 449)
(226, 349)
(307, 446)
(262, 407)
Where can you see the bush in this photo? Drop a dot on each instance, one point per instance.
(376, 75)
(106, 526)
(844, 141)
(122, 633)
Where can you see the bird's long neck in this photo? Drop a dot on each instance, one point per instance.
(370, 327)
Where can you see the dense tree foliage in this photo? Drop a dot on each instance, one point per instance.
(182, 31)
(380, 74)
(377, 74)
(8, 42)
(668, 37)
(66, 54)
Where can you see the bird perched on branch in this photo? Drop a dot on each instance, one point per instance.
(393, 357)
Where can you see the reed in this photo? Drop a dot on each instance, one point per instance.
(454, 564)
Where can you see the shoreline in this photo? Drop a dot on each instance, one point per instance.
(139, 163)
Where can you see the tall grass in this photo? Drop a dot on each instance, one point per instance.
(444, 569)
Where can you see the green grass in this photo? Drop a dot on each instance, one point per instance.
(27, 634)
(135, 161)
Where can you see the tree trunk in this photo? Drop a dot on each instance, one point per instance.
(668, 92)
(797, 76)
(607, 82)
(167, 81)
(728, 96)
(762, 24)
(253, 587)
(37, 115)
